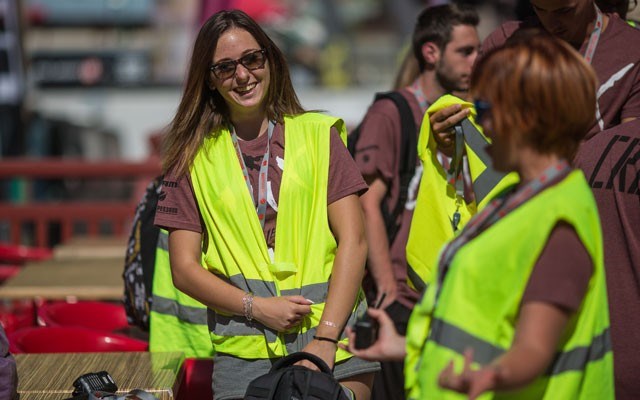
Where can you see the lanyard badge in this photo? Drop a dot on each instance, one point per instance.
(261, 205)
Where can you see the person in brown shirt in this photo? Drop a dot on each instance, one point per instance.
(609, 156)
(534, 132)
(240, 118)
(445, 44)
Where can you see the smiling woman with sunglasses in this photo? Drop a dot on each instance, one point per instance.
(276, 254)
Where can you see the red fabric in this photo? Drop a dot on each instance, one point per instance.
(263, 11)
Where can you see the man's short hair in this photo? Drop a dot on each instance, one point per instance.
(435, 24)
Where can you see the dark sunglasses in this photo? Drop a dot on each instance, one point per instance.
(251, 61)
(483, 108)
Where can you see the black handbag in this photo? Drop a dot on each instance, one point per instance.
(286, 381)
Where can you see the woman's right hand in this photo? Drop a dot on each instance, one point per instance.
(281, 313)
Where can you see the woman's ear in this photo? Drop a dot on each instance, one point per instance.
(430, 53)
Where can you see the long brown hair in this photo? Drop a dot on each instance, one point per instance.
(540, 89)
(203, 110)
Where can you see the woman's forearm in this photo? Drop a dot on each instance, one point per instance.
(345, 217)
(538, 332)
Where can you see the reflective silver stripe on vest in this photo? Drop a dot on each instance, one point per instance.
(577, 359)
(316, 292)
(456, 339)
(256, 286)
(163, 241)
(236, 325)
(415, 279)
(192, 315)
(489, 178)
(223, 325)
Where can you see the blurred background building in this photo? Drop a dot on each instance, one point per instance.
(99, 80)
(96, 78)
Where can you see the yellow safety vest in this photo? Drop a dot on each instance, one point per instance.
(480, 300)
(304, 246)
(177, 321)
(431, 225)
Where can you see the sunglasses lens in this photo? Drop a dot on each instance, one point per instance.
(224, 70)
(482, 109)
(253, 60)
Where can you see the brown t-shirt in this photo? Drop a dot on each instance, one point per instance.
(610, 159)
(377, 154)
(611, 163)
(177, 208)
(562, 273)
(616, 62)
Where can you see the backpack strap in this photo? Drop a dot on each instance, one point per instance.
(299, 356)
(407, 160)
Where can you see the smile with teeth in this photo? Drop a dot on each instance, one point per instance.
(246, 89)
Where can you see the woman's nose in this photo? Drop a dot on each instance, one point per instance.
(242, 73)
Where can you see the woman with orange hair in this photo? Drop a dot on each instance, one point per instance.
(519, 304)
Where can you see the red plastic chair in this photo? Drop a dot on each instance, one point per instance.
(196, 382)
(17, 254)
(16, 314)
(96, 315)
(8, 270)
(70, 339)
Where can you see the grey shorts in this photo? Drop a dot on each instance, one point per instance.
(232, 375)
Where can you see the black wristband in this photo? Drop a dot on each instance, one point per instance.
(326, 339)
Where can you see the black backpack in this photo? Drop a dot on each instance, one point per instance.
(408, 156)
(139, 263)
(286, 381)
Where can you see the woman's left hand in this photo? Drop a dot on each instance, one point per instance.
(323, 349)
(470, 382)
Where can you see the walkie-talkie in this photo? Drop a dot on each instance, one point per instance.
(94, 382)
(366, 328)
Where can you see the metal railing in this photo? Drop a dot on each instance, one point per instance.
(31, 220)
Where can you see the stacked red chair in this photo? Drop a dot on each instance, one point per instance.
(97, 315)
(70, 339)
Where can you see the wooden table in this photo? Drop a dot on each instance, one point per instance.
(82, 279)
(91, 247)
(51, 376)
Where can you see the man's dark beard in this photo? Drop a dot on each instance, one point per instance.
(449, 85)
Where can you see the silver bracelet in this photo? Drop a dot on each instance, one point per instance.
(247, 306)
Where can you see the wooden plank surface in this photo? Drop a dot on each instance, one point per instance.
(51, 376)
(92, 247)
(61, 279)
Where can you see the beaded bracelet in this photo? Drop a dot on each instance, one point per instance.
(247, 306)
(326, 339)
